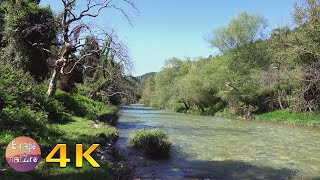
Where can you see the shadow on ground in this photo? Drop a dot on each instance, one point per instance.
(134, 108)
(110, 119)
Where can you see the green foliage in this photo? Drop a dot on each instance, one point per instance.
(18, 89)
(154, 142)
(79, 130)
(242, 30)
(287, 117)
(82, 106)
(251, 76)
(25, 23)
(219, 106)
(55, 109)
(28, 111)
(23, 122)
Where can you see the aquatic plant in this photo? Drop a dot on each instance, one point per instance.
(153, 142)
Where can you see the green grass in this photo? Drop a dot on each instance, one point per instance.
(81, 130)
(86, 128)
(286, 117)
(153, 142)
(82, 126)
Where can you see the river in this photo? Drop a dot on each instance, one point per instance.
(217, 148)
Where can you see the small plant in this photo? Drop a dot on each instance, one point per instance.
(152, 141)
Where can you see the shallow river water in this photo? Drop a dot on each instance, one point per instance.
(219, 148)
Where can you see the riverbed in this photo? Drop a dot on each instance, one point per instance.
(217, 148)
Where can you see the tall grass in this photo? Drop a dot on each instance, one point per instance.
(286, 117)
(153, 142)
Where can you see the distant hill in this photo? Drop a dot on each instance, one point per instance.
(145, 76)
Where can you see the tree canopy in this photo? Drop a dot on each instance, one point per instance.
(242, 30)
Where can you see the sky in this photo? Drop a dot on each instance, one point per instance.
(177, 28)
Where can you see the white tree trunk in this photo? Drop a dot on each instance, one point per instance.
(53, 82)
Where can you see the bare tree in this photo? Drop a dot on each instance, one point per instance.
(72, 30)
(115, 83)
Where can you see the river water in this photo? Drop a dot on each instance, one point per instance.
(219, 148)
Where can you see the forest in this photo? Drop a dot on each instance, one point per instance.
(63, 79)
(256, 75)
(60, 80)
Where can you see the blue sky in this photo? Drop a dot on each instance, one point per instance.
(176, 28)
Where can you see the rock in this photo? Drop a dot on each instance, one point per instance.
(102, 157)
(96, 126)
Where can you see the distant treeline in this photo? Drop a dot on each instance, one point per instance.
(252, 74)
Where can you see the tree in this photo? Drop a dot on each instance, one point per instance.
(25, 24)
(105, 71)
(91, 63)
(148, 90)
(242, 30)
(244, 57)
(302, 50)
(72, 34)
(196, 88)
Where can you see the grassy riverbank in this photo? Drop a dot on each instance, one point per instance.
(82, 127)
(277, 116)
(286, 117)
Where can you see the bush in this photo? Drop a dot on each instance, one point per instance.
(152, 141)
(24, 122)
(219, 106)
(82, 106)
(16, 87)
(56, 111)
(19, 90)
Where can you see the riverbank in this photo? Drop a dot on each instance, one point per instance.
(83, 126)
(277, 116)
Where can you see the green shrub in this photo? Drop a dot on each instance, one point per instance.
(226, 112)
(152, 141)
(16, 87)
(82, 106)
(19, 90)
(217, 107)
(56, 111)
(24, 122)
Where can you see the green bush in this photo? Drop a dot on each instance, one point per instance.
(226, 112)
(81, 106)
(154, 142)
(16, 87)
(24, 122)
(219, 106)
(56, 111)
(19, 90)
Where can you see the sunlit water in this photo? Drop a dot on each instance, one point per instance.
(219, 148)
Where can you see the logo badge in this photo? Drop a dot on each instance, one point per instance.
(23, 154)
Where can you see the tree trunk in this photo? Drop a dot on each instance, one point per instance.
(280, 100)
(185, 104)
(53, 82)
